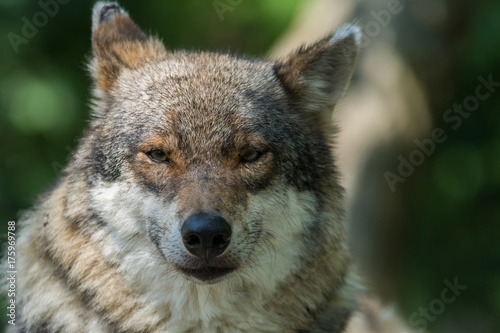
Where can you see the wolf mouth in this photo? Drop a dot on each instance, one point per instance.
(207, 274)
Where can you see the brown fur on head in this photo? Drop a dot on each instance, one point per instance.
(178, 135)
(117, 42)
(316, 76)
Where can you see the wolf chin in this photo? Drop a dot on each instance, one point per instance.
(202, 198)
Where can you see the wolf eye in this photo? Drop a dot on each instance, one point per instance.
(158, 156)
(251, 155)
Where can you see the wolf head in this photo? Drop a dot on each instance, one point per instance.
(223, 163)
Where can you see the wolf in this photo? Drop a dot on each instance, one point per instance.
(203, 197)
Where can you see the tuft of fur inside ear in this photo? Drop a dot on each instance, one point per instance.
(118, 43)
(316, 76)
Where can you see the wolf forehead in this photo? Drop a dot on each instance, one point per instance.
(198, 94)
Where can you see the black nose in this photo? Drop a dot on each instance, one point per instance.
(206, 236)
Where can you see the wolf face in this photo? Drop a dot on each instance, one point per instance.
(207, 184)
(218, 155)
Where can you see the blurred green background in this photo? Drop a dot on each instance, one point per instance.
(451, 204)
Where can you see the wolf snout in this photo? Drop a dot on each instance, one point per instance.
(206, 236)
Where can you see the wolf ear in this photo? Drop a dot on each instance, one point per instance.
(118, 43)
(316, 76)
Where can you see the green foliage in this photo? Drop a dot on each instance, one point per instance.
(453, 200)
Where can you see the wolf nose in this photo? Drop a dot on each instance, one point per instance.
(206, 236)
